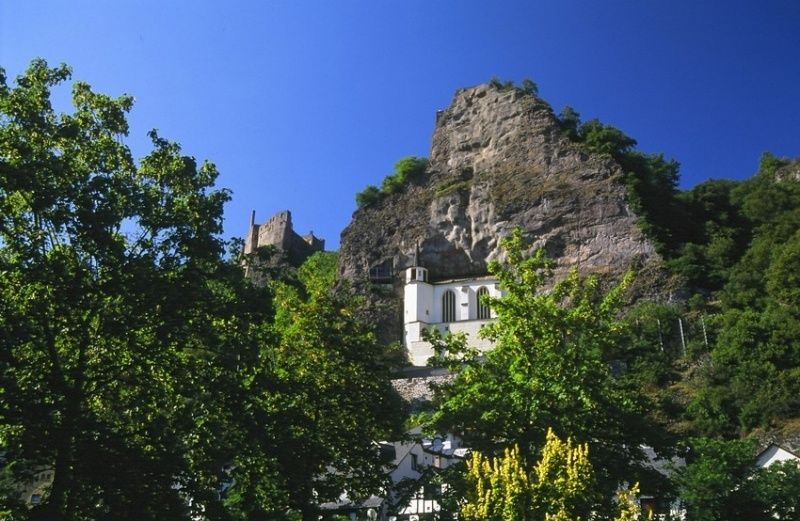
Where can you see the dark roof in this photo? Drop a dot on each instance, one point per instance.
(350, 506)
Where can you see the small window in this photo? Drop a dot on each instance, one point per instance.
(414, 462)
(413, 273)
(449, 306)
(483, 307)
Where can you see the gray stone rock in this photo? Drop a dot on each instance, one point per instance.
(499, 161)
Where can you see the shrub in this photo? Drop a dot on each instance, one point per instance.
(529, 87)
(368, 196)
(410, 169)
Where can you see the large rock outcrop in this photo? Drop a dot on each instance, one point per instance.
(499, 160)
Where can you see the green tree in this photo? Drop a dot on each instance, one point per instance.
(408, 170)
(722, 482)
(569, 120)
(331, 398)
(711, 483)
(547, 368)
(119, 339)
(777, 490)
(753, 378)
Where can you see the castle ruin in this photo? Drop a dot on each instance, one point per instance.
(279, 233)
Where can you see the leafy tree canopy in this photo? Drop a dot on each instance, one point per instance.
(330, 400)
(548, 368)
(121, 323)
(722, 482)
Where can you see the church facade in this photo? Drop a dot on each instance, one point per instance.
(455, 306)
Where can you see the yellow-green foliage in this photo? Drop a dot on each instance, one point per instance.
(555, 489)
(628, 506)
(563, 478)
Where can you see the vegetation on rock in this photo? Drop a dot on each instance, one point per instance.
(408, 170)
(736, 246)
(319, 402)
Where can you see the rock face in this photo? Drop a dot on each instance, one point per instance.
(499, 161)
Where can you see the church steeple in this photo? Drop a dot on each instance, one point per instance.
(416, 273)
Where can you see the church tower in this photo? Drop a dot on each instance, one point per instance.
(417, 301)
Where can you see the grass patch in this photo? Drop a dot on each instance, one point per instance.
(450, 187)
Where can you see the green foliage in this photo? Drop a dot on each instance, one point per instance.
(318, 272)
(449, 187)
(137, 363)
(547, 369)
(722, 482)
(651, 180)
(569, 120)
(777, 490)
(408, 170)
(747, 256)
(649, 359)
(711, 484)
(370, 195)
(122, 325)
(325, 397)
(495, 83)
(529, 87)
(605, 139)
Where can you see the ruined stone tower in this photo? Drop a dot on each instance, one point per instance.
(278, 232)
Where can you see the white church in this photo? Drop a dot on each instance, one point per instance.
(452, 305)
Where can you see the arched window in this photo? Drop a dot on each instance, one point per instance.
(483, 307)
(449, 306)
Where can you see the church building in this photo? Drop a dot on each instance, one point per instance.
(451, 305)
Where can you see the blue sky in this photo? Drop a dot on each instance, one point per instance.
(301, 104)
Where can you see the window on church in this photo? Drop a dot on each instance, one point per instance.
(449, 306)
(483, 308)
(413, 273)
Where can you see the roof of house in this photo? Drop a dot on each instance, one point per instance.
(347, 505)
(776, 446)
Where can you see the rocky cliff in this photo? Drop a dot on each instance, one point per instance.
(499, 161)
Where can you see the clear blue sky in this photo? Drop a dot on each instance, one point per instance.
(301, 104)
